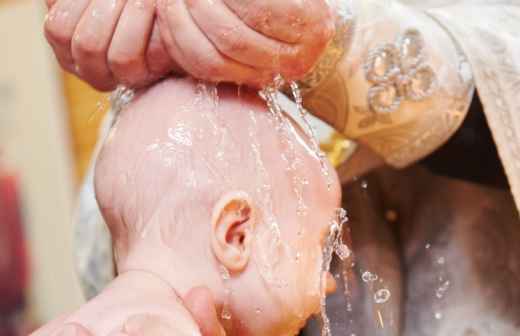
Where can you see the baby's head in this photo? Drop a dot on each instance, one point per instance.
(206, 190)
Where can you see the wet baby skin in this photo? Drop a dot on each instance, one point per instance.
(206, 188)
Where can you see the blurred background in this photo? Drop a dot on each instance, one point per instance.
(48, 127)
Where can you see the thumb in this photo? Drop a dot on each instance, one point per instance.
(201, 304)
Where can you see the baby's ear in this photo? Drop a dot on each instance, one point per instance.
(232, 225)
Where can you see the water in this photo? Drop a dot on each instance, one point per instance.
(444, 287)
(333, 245)
(264, 194)
(286, 130)
(369, 277)
(121, 97)
(328, 251)
(100, 107)
(382, 296)
(296, 92)
(226, 312)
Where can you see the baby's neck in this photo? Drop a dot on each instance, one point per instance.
(181, 273)
(159, 304)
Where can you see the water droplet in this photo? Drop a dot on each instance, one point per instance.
(439, 293)
(224, 273)
(369, 277)
(428, 246)
(441, 260)
(226, 314)
(304, 115)
(342, 251)
(438, 315)
(297, 257)
(364, 184)
(382, 296)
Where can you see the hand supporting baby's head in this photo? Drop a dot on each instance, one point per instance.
(204, 189)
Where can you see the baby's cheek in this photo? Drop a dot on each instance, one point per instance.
(310, 281)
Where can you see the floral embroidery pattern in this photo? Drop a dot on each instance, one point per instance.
(397, 72)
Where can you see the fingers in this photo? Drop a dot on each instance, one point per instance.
(59, 27)
(201, 304)
(126, 55)
(233, 38)
(91, 41)
(194, 52)
(158, 60)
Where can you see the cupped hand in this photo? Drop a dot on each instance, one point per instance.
(245, 41)
(108, 42)
(111, 42)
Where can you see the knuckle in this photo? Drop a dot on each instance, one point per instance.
(87, 47)
(55, 33)
(120, 61)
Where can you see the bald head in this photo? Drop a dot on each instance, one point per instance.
(180, 145)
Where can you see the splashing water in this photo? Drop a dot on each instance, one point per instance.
(121, 97)
(439, 293)
(304, 115)
(100, 107)
(264, 191)
(333, 245)
(224, 274)
(285, 128)
(382, 296)
(369, 277)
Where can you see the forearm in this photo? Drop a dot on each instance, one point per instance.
(414, 119)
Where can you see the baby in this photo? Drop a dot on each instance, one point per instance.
(207, 188)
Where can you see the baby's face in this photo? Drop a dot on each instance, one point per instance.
(297, 267)
(291, 268)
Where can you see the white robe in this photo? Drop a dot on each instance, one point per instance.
(488, 31)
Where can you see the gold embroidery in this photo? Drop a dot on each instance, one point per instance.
(330, 102)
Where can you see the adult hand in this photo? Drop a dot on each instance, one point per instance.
(199, 301)
(245, 41)
(107, 43)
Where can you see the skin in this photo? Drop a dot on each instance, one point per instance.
(170, 235)
(137, 42)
